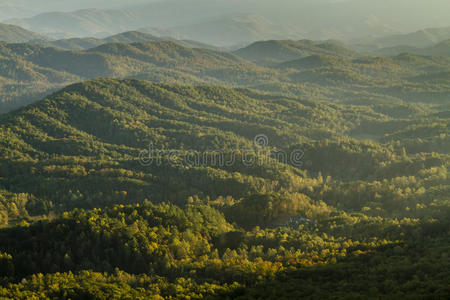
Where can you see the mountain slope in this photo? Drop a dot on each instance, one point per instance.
(120, 119)
(439, 49)
(89, 43)
(389, 85)
(128, 37)
(33, 69)
(230, 31)
(76, 44)
(86, 22)
(131, 37)
(269, 52)
(15, 34)
(168, 53)
(106, 131)
(419, 39)
(201, 109)
(243, 185)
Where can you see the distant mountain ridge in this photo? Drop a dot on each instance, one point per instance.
(86, 22)
(320, 70)
(418, 39)
(128, 37)
(29, 71)
(16, 34)
(225, 23)
(277, 51)
(114, 59)
(440, 49)
(230, 30)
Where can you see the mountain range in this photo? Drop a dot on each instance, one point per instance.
(419, 39)
(128, 37)
(232, 30)
(439, 49)
(82, 23)
(277, 51)
(294, 68)
(245, 21)
(29, 70)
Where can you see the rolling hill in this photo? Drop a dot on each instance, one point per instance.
(88, 43)
(229, 31)
(29, 71)
(76, 44)
(107, 125)
(87, 22)
(277, 51)
(439, 49)
(125, 188)
(340, 75)
(120, 119)
(15, 34)
(420, 39)
(128, 37)
(161, 32)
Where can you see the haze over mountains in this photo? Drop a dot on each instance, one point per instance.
(16, 34)
(240, 21)
(278, 51)
(439, 49)
(28, 8)
(124, 37)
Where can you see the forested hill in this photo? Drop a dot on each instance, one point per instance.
(420, 39)
(297, 199)
(16, 34)
(29, 72)
(276, 51)
(124, 37)
(134, 113)
(107, 123)
(319, 71)
(440, 49)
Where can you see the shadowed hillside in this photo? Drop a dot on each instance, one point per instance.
(297, 198)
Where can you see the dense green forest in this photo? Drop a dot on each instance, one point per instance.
(111, 188)
(144, 167)
(399, 86)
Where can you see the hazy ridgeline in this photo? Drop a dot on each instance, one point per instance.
(214, 152)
